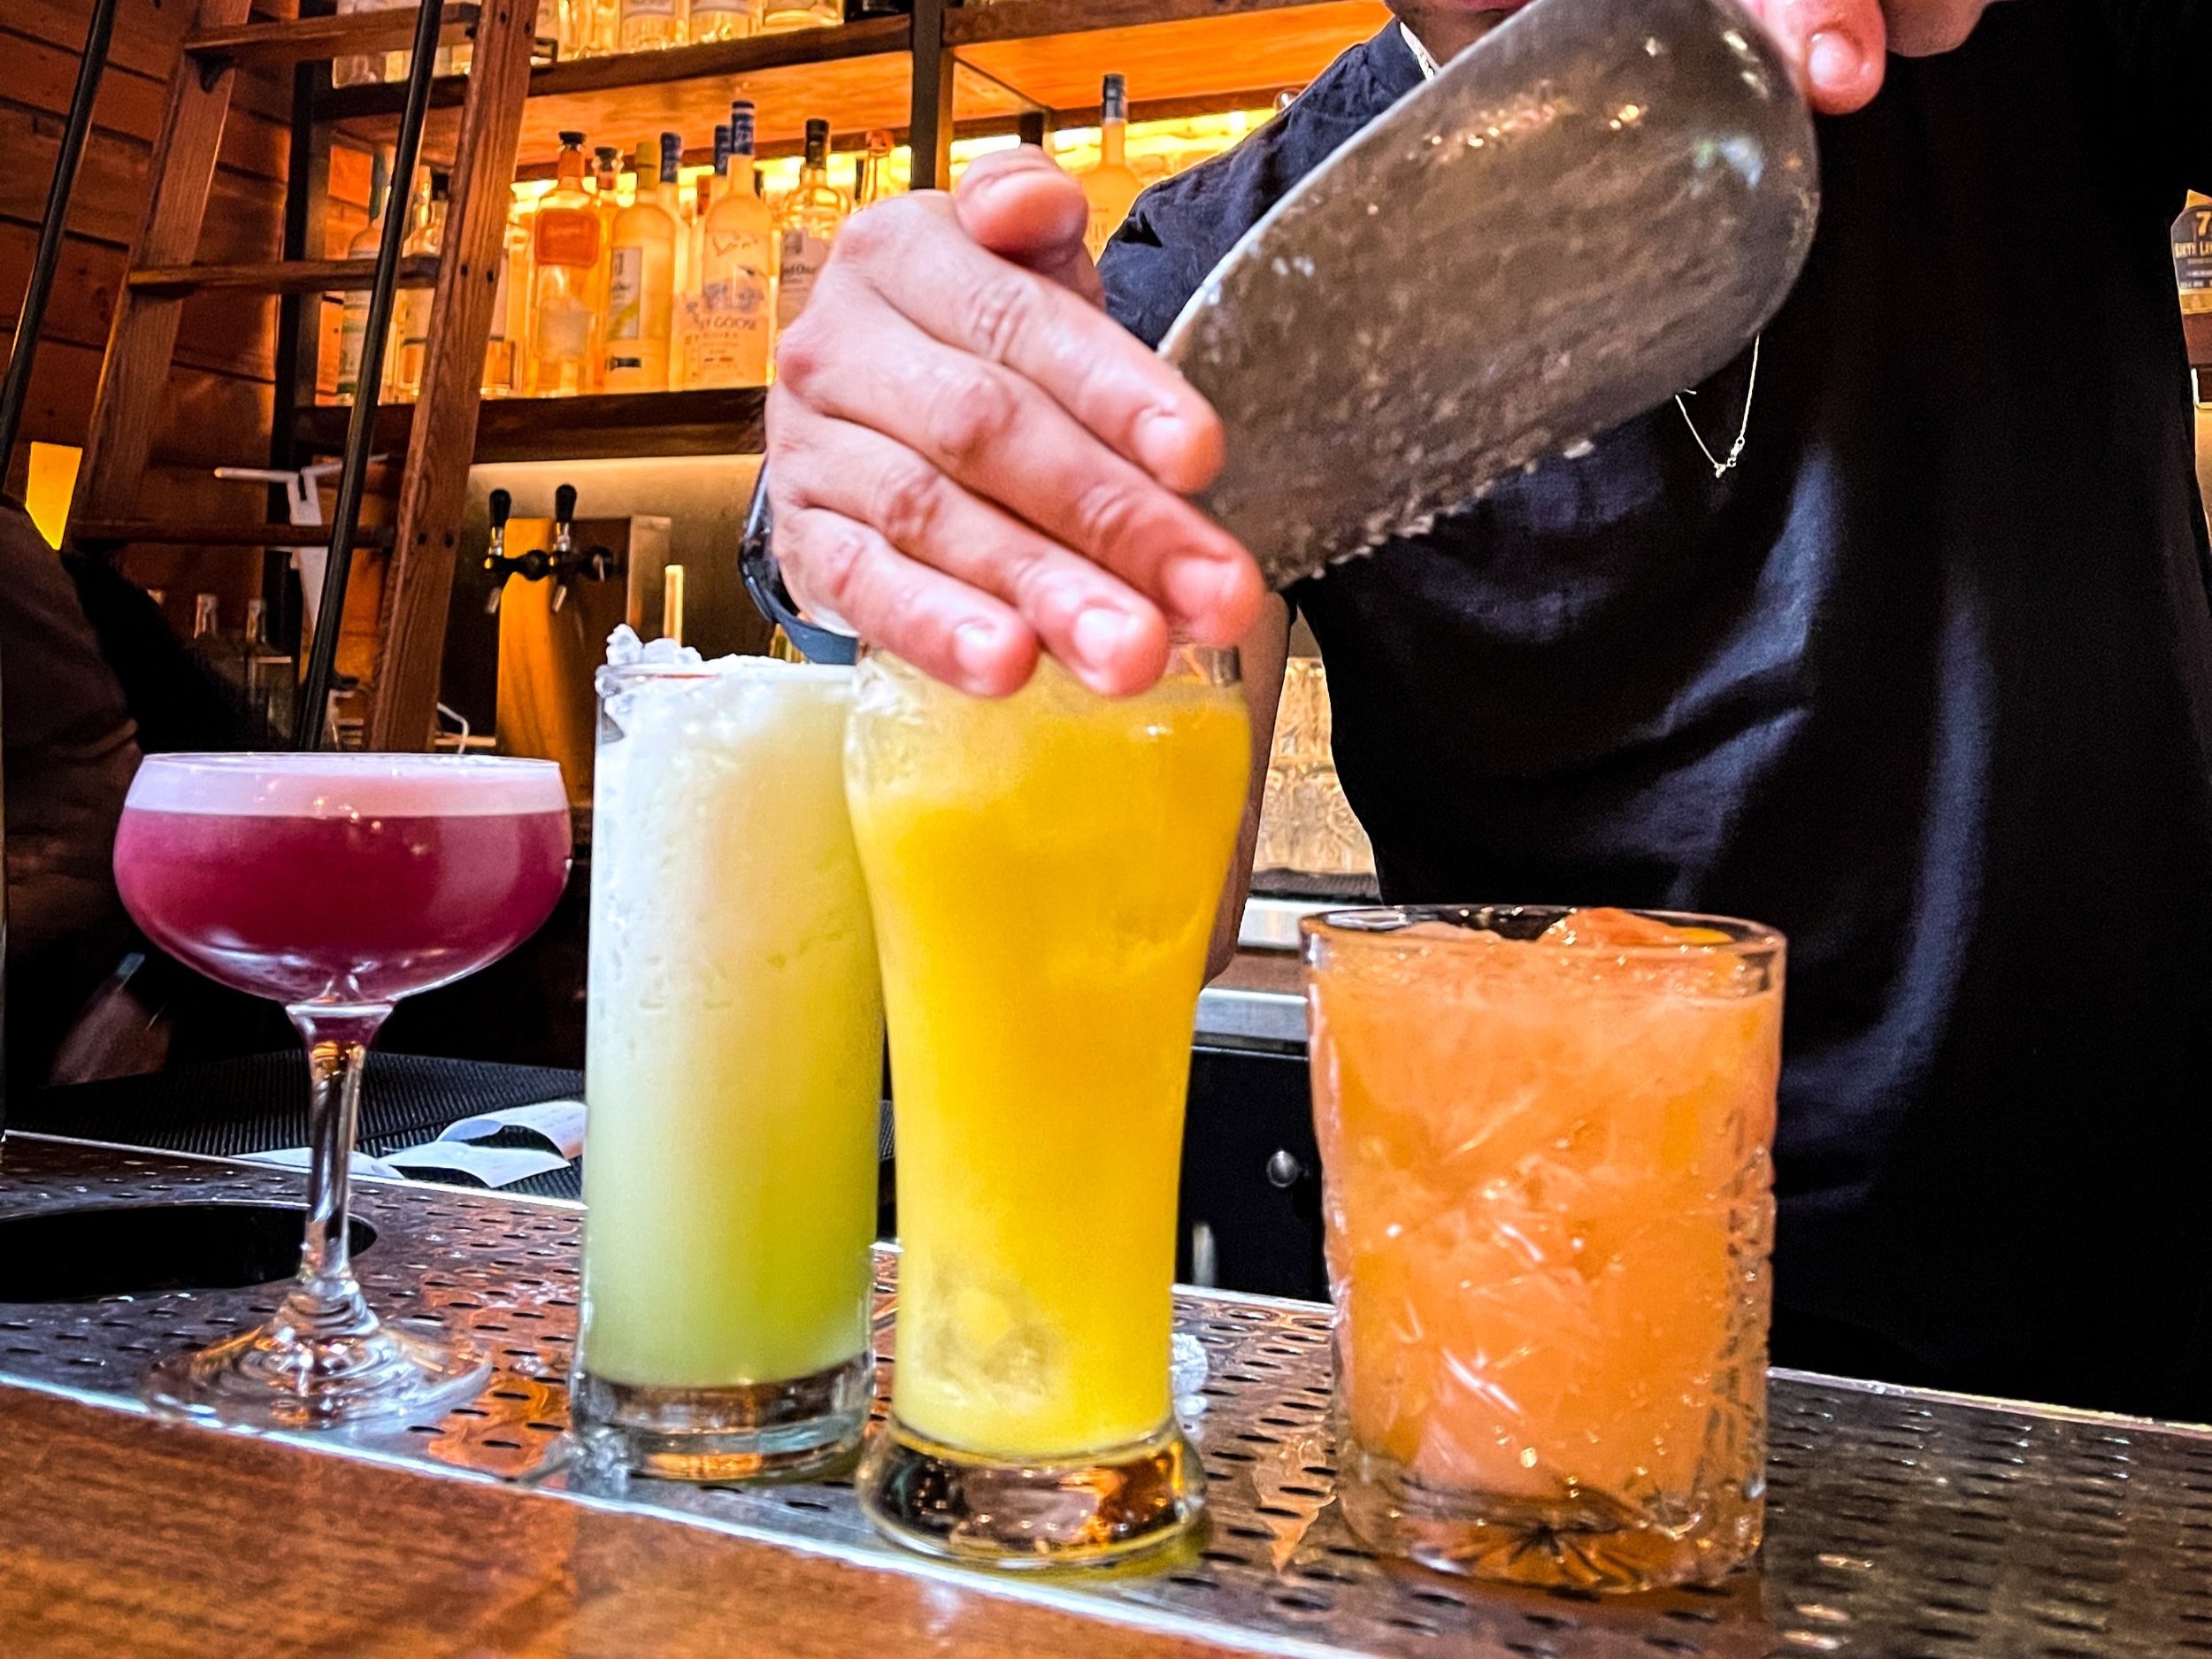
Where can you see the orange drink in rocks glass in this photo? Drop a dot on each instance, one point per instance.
(1545, 1138)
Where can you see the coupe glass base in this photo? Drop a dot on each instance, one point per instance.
(798, 1430)
(276, 1377)
(1110, 1506)
(1588, 1542)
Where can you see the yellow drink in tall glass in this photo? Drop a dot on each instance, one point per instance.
(735, 1063)
(1044, 871)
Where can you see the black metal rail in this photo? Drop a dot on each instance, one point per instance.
(308, 723)
(15, 391)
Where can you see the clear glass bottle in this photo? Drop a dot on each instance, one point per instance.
(353, 320)
(412, 307)
(649, 24)
(811, 216)
(724, 19)
(737, 265)
(778, 15)
(871, 173)
(606, 202)
(691, 304)
(606, 26)
(1110, 187)
(564, 246)
(641, 280)
(510, 307)
(358, 69)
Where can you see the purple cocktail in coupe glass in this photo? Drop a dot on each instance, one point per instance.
(335, 885)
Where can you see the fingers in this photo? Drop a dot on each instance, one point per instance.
(1002, 440)
(943, 627)
(1021, 205)
(980, 304)
(1104, 631)
(1835, 47)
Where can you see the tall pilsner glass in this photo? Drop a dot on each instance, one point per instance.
(734, 1071)
(335, 884)
(1044, 871)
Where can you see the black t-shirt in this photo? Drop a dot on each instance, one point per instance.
(1926, 682)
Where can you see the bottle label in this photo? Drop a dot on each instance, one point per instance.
(648, 9)
(717, 8)
(567, 236)
(2193, 260)
(353, 331)
(625, 294)
(804, 257)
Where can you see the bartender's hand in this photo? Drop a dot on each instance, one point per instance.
(1837, 46)
(969, 458)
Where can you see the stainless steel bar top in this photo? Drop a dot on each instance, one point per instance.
(1900, 1523)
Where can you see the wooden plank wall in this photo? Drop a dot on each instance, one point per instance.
(220, 395)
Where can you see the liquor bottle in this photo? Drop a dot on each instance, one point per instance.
(778, 15)
(737, 262)
(870, 172)
(603, 27)
(358, 69)
(649, 25)
(811, 216)
(510, 307)
(691, 301)
(1110, 187)
(606, 201)
(265, 674)
(411, 310)
(724, 19)
(564, 246)
(353, 323)
(641, 280)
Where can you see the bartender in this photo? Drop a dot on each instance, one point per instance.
(1894, 634)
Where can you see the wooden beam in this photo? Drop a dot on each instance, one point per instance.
(403, 710)
(165, 532)
(1034, 19)
(144, 334)
(282, 276)
(614, 425)
(319, 40)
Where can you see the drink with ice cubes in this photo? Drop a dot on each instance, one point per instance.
(1044, 870)
(1544, 1137)
(733, 1073)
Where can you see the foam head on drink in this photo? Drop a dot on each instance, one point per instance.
(735, 1034)
(1045, 869)
(350, 878)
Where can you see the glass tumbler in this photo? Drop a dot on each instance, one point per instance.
(734, 1073)
(1544, 1138)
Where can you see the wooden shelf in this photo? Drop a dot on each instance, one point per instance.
(859, 75)
(614, 426)
(1187, 53)
(1180, 56)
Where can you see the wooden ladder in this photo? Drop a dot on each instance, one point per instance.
(135, 374)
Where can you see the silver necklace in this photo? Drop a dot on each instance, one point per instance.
(1722, 464)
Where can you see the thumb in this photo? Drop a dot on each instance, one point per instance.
(1022, 207)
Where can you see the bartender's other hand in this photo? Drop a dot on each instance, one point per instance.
(969, 458)
(1837, 46)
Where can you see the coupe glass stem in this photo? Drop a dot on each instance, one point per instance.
(325, 1301)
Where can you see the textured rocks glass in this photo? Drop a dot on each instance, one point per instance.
(1549, 1207)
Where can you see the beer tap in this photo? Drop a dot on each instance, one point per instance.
(563, 558)
(495, 560)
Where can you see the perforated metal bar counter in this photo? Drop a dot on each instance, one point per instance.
(1901, 1523)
